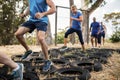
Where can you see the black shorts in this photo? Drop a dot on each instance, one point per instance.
(103, 34)
(35, 25)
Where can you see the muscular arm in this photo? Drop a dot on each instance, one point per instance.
(27, 11)
(52, 7)
(90, 27)
(78, 19)
(70, 22)
(50, 11)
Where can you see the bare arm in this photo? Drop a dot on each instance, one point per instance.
(70, 22)
(78, 19)
(50, 11)
(52, 7)
(105, 29)
(26, 12)
(90, 27)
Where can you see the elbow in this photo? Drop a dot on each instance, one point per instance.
(80, 20)
(54, 10)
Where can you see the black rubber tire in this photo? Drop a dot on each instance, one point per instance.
(2, 77)
(97, 66)
(30, 76)
(58, 61)
(86, 65)
(16, 57)
(83, 74)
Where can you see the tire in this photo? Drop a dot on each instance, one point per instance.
(86, 65)
(82, 74)
(58, 61)
(86, 75)
(54, 53)
(98, 66)
(103, 60)
(68, 57)
(16, 57)
(52, 79)
(2, 77)
(30, 76)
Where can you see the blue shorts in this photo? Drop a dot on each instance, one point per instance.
(35, 25)
(94, 35)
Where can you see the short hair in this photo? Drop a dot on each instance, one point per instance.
(73, 6)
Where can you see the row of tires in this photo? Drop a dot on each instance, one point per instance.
(76, 65)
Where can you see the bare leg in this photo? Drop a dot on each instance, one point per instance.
(83, 47)
(4, 59)
(44, 46)
(92, 41)
(19, 35)
(103, 41)
(95, 42)
(65, 41)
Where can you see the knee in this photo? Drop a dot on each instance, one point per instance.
(17, 34)
(41, 39)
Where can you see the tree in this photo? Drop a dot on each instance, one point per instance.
(114, 17)
(72, 36)
(49, 39)
(9, 21)
(87, 11)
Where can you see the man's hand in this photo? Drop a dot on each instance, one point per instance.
(39, 15)
(22, 15)
(71, 18)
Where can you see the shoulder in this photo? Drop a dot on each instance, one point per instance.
(92, 23)
(79, 13)
(97, 23)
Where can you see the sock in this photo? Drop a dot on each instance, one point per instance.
(16, 68)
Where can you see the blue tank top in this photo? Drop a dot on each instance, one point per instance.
(38, 6)
(76, 24)
(101, 29)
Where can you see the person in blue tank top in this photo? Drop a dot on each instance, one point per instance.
(95, 30)
(102, 32)
(38, 11)
(75, 26)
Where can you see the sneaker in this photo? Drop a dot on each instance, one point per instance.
(47, 66)
(18, 74)
(27, 56)
(63, 48)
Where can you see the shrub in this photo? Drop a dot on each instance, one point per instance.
(116, 35)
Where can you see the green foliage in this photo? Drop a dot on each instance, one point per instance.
(116, 35)
(60, 37)
(8, 22)
(114, 17)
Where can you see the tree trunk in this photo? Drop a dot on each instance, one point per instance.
(72, 36)
(86, 13)
(49, 35)
(85, 26)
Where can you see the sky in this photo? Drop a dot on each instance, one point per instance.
(63, 14)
